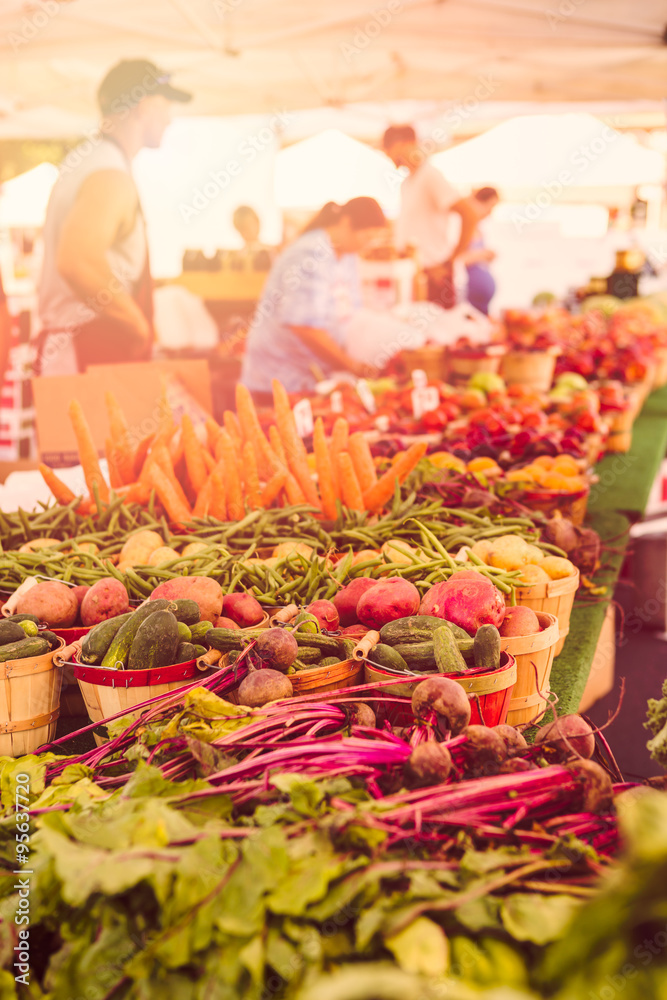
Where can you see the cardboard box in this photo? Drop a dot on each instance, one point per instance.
(138, 388)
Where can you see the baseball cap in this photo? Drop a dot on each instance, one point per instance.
(130, 80)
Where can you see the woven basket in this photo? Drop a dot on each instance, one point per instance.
(29, 703)
(554, 598)
(534, 655)
(431, 360)
(570, 505)
(462, 365)
(532, 369)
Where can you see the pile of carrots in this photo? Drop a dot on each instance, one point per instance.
(221, 471)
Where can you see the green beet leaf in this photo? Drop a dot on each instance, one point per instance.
(421, 947)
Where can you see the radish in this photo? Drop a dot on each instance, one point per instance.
(446, 699)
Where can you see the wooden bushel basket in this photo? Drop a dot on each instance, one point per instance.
(555, 598)
(345, 674)
(29, 703)
(489, 691)
(534, 656)
(71, 699)
(462, 365)
(531, 369)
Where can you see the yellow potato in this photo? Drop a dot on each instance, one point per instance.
(288, 548)
(509, 552)
(531, 574)
(536, 555)
(193, 549)
(39, 543)
(482, 549)
(162, 555)
(397, 552)
(558, 568)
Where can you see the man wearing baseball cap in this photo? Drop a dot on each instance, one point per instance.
(95, 295)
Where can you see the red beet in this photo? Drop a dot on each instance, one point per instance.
(468, 599)
(276, 649)
(244, 609)
(512, 738)
(388, 601)
(444, 697)
(428, 764)
(326, 614)
(484, 750)
(362, 714)
(569, 735)
(346, 600)
(263, 686)
(597, 789)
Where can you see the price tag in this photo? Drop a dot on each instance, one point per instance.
(419, 378)
(424, 400)
(337, 401)
(366, 396)
(303, 417)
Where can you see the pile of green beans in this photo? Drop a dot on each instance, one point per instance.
(232, 548)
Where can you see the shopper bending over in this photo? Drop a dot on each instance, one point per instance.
(298, 331)
(481, 283)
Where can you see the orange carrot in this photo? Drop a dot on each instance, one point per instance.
(295, 451)
(203, 501)
(176, 447)
(194, 458)
(232, 425)
(178, 512)
(87, 452)
(235, 507)
(212, 433)
(209, 461)
(218, 508)
(293, 491)
(160, 457)
(277, 445)
(324, 473)
(140, 454)
(61, 492)
(349, 484)
(252, 431)
(251, 475)
(166, 422)
(120, 438)
(272, 489)
(111, 453)
(362, 460)
(380, 494)
(135, 493)
(338, 443)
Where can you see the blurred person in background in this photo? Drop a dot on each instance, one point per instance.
(481, 283)
(247, 224)
(298, 331)
(95, 294)
(5, 334)
(428, 202)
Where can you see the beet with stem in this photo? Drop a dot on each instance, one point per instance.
(446, 699)
(598, 791)
(569, 736)
(482, 751)
(429, 764)
(276, 649)
(512, 738)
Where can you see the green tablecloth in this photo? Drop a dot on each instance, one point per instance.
(625, 480)
(571, 669)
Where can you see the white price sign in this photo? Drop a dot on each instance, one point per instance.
(366, 396)
(424, 400)
(303, 417)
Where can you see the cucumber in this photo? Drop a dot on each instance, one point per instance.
(27, 646)
(29, 628)
(184, 632)
(486, 647)
(119, 649)
(51, 637)
(96, 642)
(448, 656)
(199, 629)
(416, 629)
(200, 650)
(225, 639)
(418, 655)
(155, 642)
(24, 617)
(309, 654)
(386, 656)
(187, 611)
(11, 632)
(329, 661)
(185, 652)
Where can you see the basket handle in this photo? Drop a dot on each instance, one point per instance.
(209, 659)
(364, 646)
(286, 614)
(9, 607)
(66, 655)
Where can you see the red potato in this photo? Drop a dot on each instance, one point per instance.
(326, 614)
(347, 599)
(520, 620)
(244, 609)
(357, 631)
(388, 601)
(206, 592)
(467, 599)
(223, 622)
(107, 598)
(80, 592)
(52, 602)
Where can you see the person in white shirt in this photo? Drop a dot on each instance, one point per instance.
(428, 201)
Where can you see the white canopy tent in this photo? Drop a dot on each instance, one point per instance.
(253, 56)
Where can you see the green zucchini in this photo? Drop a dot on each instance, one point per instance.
(24, 617)
(486, 647)
(155, 642)
(119, 649)
(187, 611)
(11, 632)
(96, 642)
(185, 652)
(184, 632)
(386, 656)
(448, 656)
(199, 629)
(27, 646)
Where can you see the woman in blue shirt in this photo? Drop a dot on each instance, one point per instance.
(481, 283)
(312, 290)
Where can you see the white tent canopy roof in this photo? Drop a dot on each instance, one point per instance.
(246, 56)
